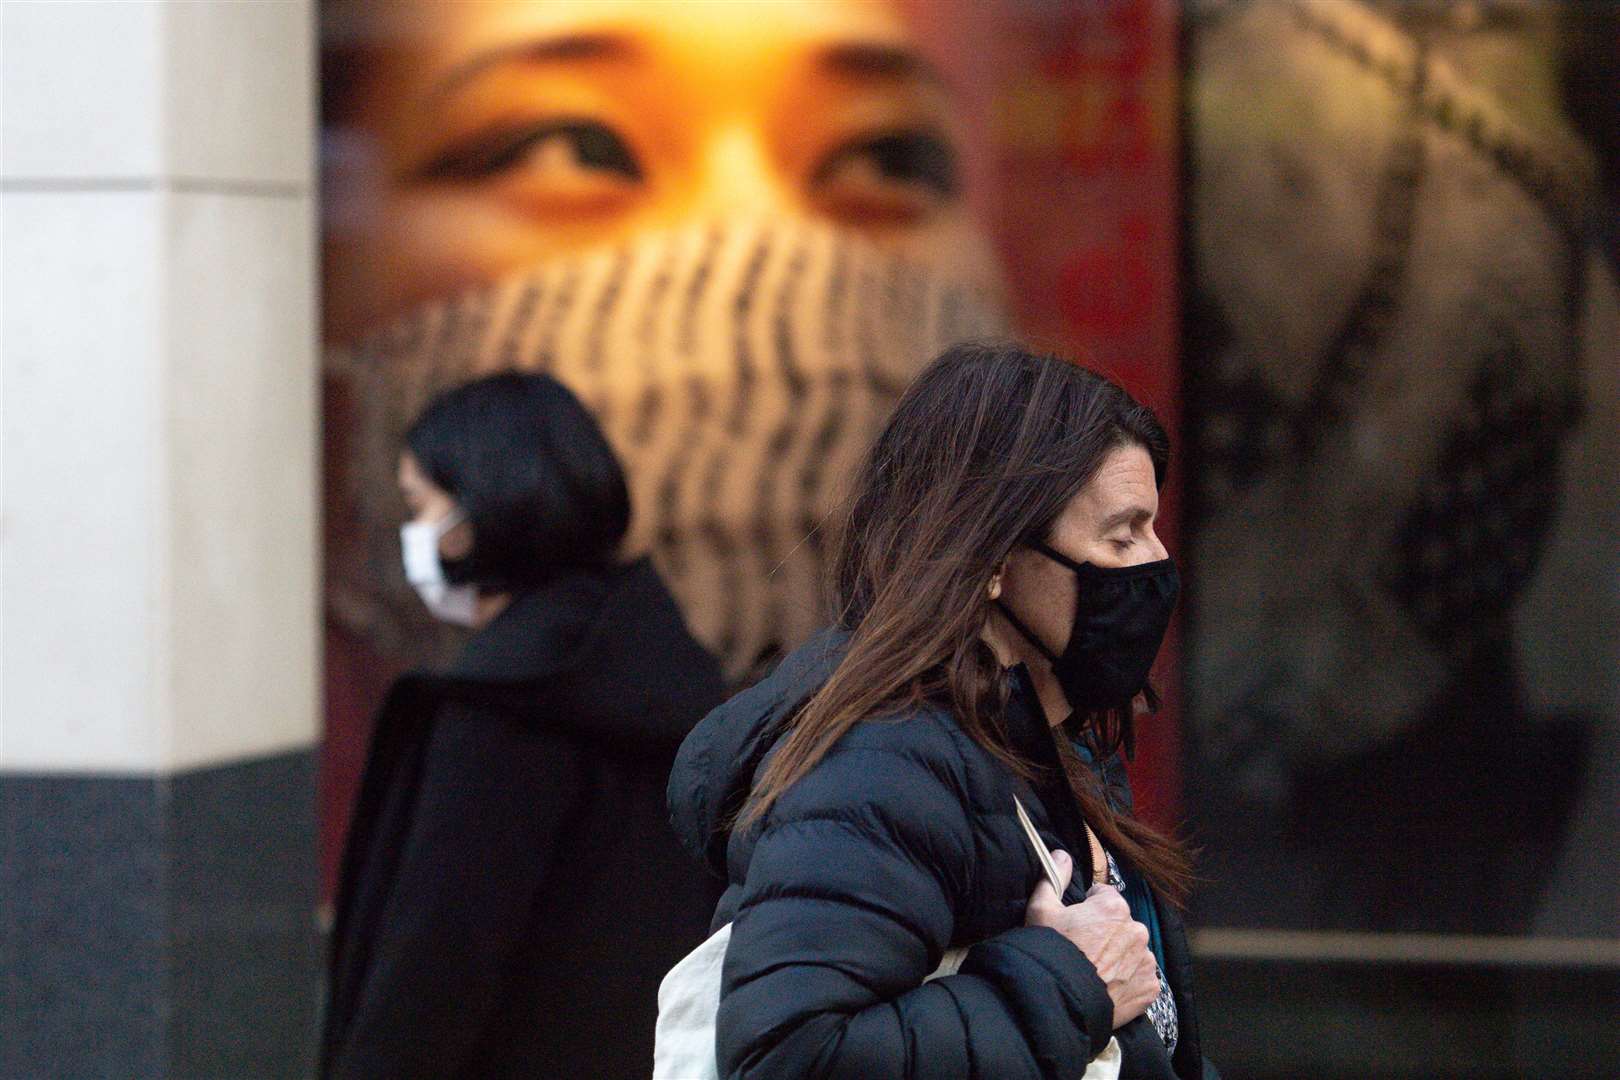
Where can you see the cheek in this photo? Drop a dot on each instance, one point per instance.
(1107, 555)
(953, 239)
(1043, 599)
(433, 245)
(457, 543)
(418, 249)
(1060, 609)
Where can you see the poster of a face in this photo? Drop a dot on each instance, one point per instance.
(735, 230)
(734, 238)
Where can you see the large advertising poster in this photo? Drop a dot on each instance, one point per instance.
(735, 230)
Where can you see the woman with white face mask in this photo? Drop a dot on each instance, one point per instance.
(484, 925)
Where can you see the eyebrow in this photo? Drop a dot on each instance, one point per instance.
(866, 60)
(1131, 514)
(562, 49)
(876, 61)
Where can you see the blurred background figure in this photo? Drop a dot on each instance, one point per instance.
(511, 892)
(1401, 390)
(1403, 426)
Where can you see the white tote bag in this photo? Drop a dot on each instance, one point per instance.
(689, 998)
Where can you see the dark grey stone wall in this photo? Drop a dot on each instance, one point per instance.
(159, 926)
(1337, 1020)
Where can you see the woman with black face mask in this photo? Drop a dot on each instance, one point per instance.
(1002, 597)
(511, 892)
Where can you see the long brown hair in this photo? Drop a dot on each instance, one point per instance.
(980, 456)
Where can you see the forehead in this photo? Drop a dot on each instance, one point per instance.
(412, 476)
(1124, 483)
(412, 55)
(720, 21)
(416, 485)
(445, 33)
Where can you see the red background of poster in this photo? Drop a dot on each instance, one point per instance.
(1085, 159)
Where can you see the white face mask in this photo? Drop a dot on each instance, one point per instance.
(419, 540)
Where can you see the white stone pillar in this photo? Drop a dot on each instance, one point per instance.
(158, 542)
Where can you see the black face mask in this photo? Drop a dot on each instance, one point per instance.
(1120, 616)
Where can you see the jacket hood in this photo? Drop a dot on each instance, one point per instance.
(714, 771)
(605, 654)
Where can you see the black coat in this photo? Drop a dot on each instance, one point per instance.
(900, 843)
(511, 893)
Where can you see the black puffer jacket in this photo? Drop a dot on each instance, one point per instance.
(900, 843)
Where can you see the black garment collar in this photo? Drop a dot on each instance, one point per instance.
(539, 632)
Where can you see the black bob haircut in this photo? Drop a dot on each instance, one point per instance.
(532, 471)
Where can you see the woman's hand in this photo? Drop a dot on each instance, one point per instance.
(1101, 927)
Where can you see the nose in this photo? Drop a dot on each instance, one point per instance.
(738, 176)
(1157, 547)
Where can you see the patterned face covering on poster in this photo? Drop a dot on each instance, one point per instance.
(1399, 394)
(1385, 374)
(739, 368)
